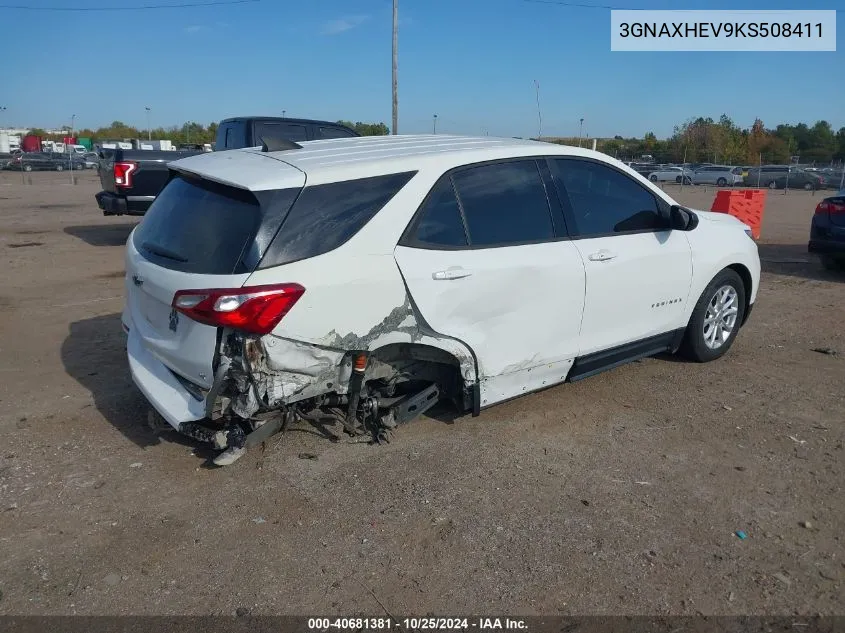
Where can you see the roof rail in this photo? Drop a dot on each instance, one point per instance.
(271, 144)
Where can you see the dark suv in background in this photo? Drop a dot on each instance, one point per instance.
(239, 132)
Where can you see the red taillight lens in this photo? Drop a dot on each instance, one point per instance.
(123, 173)
(255, 309)
(829, 206)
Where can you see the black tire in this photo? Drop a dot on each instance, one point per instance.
(678, 179)
(830, 262)
(772, 184)
(721, 182)
(808, 186)
(59, 167)
(27, 167)
(653, 178)
(687, 180)
(694, 346)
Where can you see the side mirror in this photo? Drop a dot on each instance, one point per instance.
(682, 219)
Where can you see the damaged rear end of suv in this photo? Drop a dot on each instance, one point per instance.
(261, 292)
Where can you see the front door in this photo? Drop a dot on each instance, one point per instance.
(638, 271)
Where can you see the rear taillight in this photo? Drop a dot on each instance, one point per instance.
(829, 206)
(123, 173)
(254, 309)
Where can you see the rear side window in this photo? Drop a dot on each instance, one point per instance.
(334, 132)
(440, 222)
(271, 129)
(326, 216)
(504, 204)
(605, 201)
(199, 227)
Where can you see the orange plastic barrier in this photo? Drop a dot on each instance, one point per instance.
(744, 204)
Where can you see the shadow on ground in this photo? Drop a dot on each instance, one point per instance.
(94, 354)
(102, 234)
(794, 260)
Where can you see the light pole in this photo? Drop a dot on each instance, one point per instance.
(283, 113)
(395, 67)
(539, 114)
(3, 111)
(580, 129)
(149, 130)
(435, 124)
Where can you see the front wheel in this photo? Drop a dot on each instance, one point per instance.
(59, 167)
(653, 178)
(687, 180)
(716, 318)
(808, 186)
(772, 185)
(721, 182)
(27, 167)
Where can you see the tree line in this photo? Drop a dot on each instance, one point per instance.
(189, 132)
(702, 139)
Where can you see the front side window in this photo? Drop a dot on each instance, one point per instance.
(504, 204)
(604, 201)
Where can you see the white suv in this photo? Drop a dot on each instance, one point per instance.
(368, 278)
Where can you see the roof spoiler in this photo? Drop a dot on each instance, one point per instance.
(271, 144)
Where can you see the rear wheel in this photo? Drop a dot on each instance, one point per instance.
(716, 318)
(721, 182)
(678, 179)
(772, 185)
(59, 167)
(808, 186)
(27, 167)
(653, 178)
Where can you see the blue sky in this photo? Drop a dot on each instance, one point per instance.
(473, 62)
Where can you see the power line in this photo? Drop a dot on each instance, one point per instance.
(576, 4)
(183, 5)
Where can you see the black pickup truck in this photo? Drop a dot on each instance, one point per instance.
(132, 178)
(248, 131)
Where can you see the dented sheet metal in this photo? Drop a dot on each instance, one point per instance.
(271, 371)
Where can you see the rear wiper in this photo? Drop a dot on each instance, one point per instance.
(163, 252)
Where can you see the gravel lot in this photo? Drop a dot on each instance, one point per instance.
(617, 494)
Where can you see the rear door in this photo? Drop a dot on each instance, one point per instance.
(197, 235)
(485, 264)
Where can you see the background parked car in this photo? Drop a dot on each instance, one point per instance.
(670, 174)
(92, 161)
(827, 232)
(765, 175)
(798, 180)
(721, 175)
(32, 161)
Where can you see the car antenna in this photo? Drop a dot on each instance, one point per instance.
(277, 144)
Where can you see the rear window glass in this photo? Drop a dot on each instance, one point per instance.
(199, 227)
(265, 130)
(326, 216)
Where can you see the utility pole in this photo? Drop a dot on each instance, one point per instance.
(435, 124)
(580, 129)
(539, 114)
(149, 130)
(69, 154)
(395, 129)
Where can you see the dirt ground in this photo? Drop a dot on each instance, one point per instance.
(620, 494)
